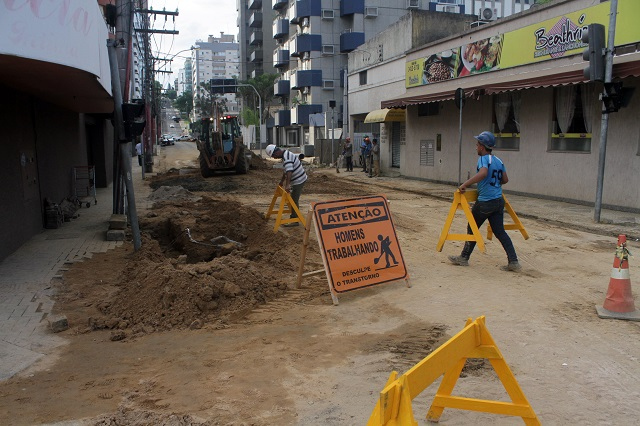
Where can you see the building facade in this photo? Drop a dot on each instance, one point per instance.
(313, 39)
(217, 58)
(58, 80)
(522, 78)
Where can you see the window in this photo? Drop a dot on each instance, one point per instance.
(506, 120)
(573, 115)
(327, 49)
(363, 78)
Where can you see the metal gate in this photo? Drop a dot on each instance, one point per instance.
(395, 144)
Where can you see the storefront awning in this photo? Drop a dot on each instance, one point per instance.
(387, 114)
(571, 73)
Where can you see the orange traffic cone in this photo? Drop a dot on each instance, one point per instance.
(619, 301)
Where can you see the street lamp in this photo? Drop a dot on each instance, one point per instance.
(260, 112)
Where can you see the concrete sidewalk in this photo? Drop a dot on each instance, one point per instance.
(27, 276)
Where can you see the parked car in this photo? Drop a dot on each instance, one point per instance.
(167, 140)
(184, 138)
(172, 126)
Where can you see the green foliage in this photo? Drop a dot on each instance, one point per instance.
(249, 117)
(264, 86)
(184, 102)
(204, 101)
(171, 94)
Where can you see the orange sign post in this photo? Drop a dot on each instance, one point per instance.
(358, 243)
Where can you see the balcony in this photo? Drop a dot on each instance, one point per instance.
(349, 7)
(282, 88)
(306, 43)
(255, 39)
(283, 118)
(350, 41)
(255, 20)
(257, 72)
(256, 56)
(255, 4)
(300, 113)
(281, 58)
(279, 4)
(280, 28)
(305, 8)
(306, 78)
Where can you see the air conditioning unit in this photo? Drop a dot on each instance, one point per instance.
(327, 13)
(328, 49)
(370, 12)
(328, 84)
(451, 8)
(488, 14)
(413, 4)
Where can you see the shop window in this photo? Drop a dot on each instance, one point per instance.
(573, 116)
(506, 120)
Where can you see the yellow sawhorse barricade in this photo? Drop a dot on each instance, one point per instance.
(461, 202)
(286, 206)
(474, 341)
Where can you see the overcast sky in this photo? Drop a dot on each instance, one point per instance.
(197, 20)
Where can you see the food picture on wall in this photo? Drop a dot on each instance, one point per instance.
(480, 56)
(440, 67)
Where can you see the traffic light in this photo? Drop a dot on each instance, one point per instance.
(595, 52)
(615, 96)
(133, 115)
(223, 85)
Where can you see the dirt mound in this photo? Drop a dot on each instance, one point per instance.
(201, 264)
(174, 193)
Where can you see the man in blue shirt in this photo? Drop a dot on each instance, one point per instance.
(491, 175)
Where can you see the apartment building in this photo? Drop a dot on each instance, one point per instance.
(313, 38)
(218, 57)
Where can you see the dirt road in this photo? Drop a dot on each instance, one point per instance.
(189, 332)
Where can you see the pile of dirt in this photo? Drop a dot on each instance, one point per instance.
(201, 264)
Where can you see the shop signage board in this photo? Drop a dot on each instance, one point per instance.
(553, 38)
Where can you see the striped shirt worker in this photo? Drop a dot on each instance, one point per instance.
(293, 175)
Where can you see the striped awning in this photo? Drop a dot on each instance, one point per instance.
(549, 73)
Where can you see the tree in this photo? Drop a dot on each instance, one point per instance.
(264, 86)
(171, 94)
(184, 102)
(204, 100)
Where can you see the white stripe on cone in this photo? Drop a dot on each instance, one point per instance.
(620, 274)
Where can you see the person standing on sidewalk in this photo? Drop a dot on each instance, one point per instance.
(375, 156)
(293, 175)
(347, 152)
(139, 152)
(365, 150)
(491, 175)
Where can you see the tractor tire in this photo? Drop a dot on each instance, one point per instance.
(242, 166)
(204, 168)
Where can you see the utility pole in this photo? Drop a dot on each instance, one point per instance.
(604, 126)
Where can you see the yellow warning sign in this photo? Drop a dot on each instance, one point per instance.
(358, 243)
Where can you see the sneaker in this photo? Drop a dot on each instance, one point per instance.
(459, 260)
(512, 266)
(292, 224)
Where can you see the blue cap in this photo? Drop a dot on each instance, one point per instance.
(487, 139)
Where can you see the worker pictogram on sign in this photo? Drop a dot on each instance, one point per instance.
(358, 243)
